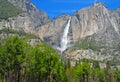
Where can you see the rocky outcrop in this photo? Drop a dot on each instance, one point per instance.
(21, 22)
(102, 27)
(52, 32)
(97, 22)
(28, 20)
(100, 24)
(38, 17)
(101, 55)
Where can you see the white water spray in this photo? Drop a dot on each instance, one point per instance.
(64, 40)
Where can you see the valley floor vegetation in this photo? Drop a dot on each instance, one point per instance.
(22, 62)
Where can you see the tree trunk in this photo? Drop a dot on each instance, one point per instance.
(18, 77)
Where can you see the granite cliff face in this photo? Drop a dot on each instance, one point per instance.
(52, 32)
(28, 20)
(95, 29)
(99, 26)
(21, 22)
(97, 22)
(38, 17)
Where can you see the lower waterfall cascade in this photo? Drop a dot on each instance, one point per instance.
(64, 40)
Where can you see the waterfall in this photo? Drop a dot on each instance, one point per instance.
(64, 40)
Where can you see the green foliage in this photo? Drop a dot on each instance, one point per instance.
(82, 71)
(96, 65)
(117, 75)
(11, 31)
(21, 60)
(70, 74)
(87, 43)
(20, 33)
(11, 56)
(99, 75)
(45, 63)
(8, 10)
(114, 62)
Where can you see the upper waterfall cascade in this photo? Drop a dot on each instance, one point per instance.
(64, 40)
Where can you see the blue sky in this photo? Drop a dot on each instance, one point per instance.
(54, 8)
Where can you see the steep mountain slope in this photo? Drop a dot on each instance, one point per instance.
(95, 29)
(38, 17)
(52, 32)
(94, 32)
(97, 32)
(6, 7)
(97, 20)
(27, 21)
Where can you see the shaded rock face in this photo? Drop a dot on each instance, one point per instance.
(28, 21)
(53, 31)
(95, 20)
(21, 22)
(100, 24)
(38, 17)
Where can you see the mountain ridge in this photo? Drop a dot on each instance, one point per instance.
(36, 15)
(92, 25)
(90, 11)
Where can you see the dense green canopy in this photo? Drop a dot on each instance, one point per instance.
(21, 62)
